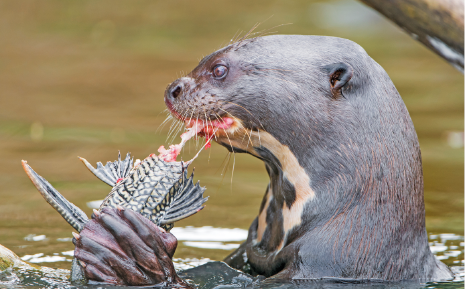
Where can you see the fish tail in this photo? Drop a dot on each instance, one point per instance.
(72, 214)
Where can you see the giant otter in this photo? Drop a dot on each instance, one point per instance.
(345, 197)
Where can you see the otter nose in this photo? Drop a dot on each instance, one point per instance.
(176, 90)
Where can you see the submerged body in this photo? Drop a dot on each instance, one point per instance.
(345, 198)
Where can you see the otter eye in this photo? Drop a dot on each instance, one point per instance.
(220, 71)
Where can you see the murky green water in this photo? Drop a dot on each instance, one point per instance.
(87, 79)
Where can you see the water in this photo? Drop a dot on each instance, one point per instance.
(87, 79)
(209, 273)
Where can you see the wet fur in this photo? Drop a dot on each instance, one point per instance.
(356, 143)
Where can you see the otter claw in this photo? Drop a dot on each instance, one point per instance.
(76, 235)
(96, 213)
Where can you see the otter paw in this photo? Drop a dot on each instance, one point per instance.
(119, 246)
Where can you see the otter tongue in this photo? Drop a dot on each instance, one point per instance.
(170, 155)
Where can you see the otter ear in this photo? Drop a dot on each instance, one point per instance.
(339, 74)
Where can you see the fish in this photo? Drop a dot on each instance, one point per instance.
(160, 191)
(157, 187)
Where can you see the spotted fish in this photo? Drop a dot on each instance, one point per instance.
(158, 190)
(155, 188)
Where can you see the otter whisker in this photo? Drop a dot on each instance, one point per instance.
(165, 110)
(246, 111)
(259, 140)
(245, 130)
(265, 32)
(221, 167)
(232, 117)
(232, 172)
(250, 140)
(226, 132)
(233, 38)
(211, 124)
(236, 38)
(222, 120)
(189, 121)
(192, 113)
(209, 155)
(173, 124)
(247, 34)
(171, 131)
(181, 124)
(206, 119)
(172, 127)
(196, 132)
(240, 41)
(225, 169)
(168, 118)
(238, 44)
(176, 131)
(243, 137)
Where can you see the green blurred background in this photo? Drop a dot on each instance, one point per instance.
(86, 78)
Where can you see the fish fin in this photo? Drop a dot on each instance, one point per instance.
(186, 202)
(112, 171)
(71, 213)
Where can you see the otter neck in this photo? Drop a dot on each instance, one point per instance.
(288, 192)
(282, 208)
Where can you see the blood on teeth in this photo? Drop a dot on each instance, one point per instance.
(195, 128)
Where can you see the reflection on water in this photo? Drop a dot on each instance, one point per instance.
(448, 248)
(208, 233)
(40, 258)
(94, 204)
(188, 263)
(211, 245)
(33, 237)
(87, 79)
(205, 274)
(26, 276)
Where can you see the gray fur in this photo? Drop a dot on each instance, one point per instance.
(356, 143)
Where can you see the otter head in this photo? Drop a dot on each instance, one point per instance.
(264, 91)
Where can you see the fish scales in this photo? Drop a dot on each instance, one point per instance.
(159, 190)
(150, 188)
